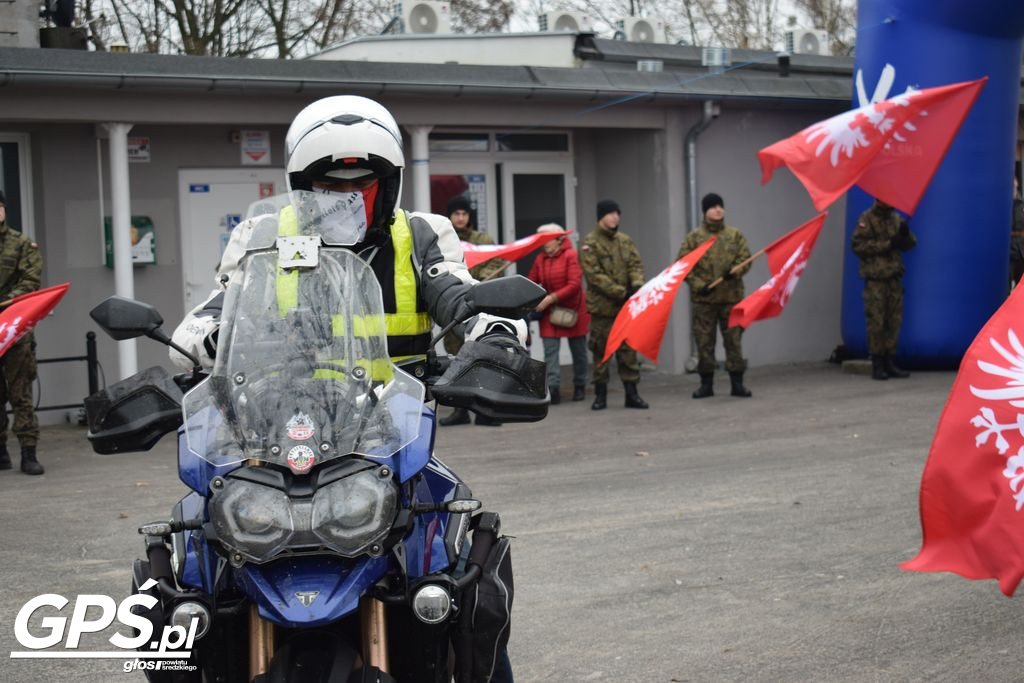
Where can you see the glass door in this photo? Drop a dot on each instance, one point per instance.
(535, 193)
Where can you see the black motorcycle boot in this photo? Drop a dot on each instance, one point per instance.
(706, 387)
(459, 416)
(5, 458)
(556, 395)
(578, 392)
(484, 421)
(893, 370)
(878, 368)
(600, 397)
(29, 464)
(737, 385)
(633, 399)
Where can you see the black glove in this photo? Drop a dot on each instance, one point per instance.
(904, 228)
(729, 275)
(704, 291)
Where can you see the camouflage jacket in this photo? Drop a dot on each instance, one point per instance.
(21, 266)
(877, 242)
(613, 268)
(484, 270)
(728, 251)
(1017, 231)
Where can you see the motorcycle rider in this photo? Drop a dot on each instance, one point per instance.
(348, 144)
(352, 145)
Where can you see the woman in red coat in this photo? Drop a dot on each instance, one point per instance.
(558, 271)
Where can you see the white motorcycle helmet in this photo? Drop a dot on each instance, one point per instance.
(347, 137)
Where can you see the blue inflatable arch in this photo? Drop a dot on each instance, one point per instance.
(957, 275)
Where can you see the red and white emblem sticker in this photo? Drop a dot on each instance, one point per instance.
(300, 427)
(301, 458)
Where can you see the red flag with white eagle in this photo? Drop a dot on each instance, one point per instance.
(972, 490)
(642, 320)
(475, 254)
(891, 149)
(787, 258)
(22, 313)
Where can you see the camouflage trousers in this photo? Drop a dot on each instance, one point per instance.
(629, 365)
(883, 312)
(706, 317)
(19, 373)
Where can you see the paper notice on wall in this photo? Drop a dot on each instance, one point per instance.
(138, 150)
(255, 146)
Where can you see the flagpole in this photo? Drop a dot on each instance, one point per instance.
(738, 266)
(498, 272)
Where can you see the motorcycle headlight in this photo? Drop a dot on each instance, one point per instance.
(253, 520)
(352, 514)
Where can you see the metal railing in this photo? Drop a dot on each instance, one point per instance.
(91, 368)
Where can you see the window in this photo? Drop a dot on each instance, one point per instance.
(459, 142)
(16, 181)
(532, 142)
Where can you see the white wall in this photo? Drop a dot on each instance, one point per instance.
(69, 234)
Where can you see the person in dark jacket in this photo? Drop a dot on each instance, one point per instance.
(558, 271)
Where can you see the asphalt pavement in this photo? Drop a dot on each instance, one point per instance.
(717, 540)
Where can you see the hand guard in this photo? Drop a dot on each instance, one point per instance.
(494, 376)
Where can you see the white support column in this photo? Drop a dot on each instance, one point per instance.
(120, 211)
(420, 167)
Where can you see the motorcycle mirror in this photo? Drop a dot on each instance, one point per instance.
(509, 297)
(124, 318)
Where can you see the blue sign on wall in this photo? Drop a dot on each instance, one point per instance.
(198, 188)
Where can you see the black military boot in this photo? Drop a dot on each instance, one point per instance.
(706, 387)
(29, 464)
(633, 399)
(878, 368)
(484, 421)
(893, 370)
(578, 392)
(600, 397)
(459, 416)
(737, 385)
(556, 395)
(5, 458)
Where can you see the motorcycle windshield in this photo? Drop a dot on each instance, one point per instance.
(302, 373)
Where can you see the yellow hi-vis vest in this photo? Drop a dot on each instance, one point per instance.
(406, 321)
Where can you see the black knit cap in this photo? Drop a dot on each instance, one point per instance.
(458, 203)
(606, 206)
(711, 199)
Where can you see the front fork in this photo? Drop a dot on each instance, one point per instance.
(375, 635)
(374, 632)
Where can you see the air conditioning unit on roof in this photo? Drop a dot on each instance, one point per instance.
(424, 16)
(577, 22)
(807, 41)
(642, 29)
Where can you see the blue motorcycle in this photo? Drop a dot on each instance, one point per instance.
(320, 540)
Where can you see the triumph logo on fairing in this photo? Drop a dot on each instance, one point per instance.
(307, 597)
(50, 630)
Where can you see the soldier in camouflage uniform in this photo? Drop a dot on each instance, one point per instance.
(878, 239)
(711, 307)
(21, 270)
(612, 266)
(459, 215)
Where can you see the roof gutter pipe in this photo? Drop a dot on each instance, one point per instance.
(709, 114)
